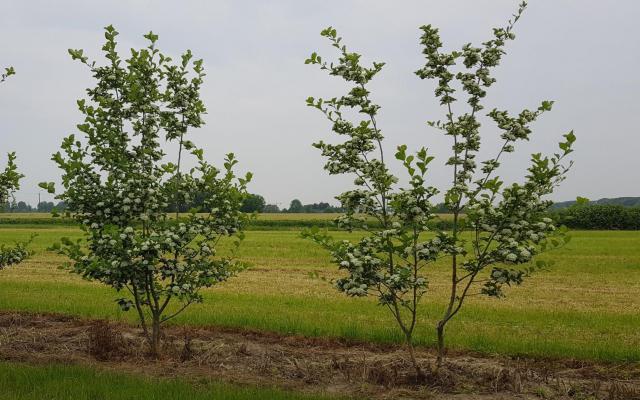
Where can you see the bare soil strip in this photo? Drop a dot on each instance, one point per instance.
(309, 365)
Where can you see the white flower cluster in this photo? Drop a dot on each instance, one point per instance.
(13, 255)
(130, 234)
(361, 263)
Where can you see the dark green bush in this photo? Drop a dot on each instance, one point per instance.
(605, 217)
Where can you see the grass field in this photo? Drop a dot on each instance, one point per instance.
(63, 382)
(586, 306)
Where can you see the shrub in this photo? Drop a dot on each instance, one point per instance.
(117, 186)
(9, 183)
(508, 222)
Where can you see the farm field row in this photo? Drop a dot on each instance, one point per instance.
(585, 306)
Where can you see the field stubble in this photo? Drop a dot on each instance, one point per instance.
(586, 306)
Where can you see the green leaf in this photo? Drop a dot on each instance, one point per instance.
(48, 186)
(401, 152)
(151, 37)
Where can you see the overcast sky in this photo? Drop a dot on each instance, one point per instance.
(582, 54)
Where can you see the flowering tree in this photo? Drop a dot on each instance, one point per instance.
(504, 225)
(10, 178)
(383, 262)
(10, 182)
(117, 186)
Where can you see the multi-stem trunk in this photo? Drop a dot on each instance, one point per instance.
(151, 329)
(156, 308)
(419, 374)
(457, 300)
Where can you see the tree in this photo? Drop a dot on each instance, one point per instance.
(45, 206)
(506, 224)
(23, 207)
(295, 206)
(117, 186)
(10, 182)
(271, 208)
(253, 203)
(10, 178)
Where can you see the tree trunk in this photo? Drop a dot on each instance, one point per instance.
(155, 337)
(440, 330)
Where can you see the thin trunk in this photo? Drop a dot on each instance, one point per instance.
(440, 330)
(452, 299)
(143, 321)
(177, 177)
(155, 336)
(454, 259)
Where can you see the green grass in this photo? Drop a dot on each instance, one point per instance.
(62, 382)
(586, 306)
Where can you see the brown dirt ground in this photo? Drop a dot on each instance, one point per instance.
(310, 365)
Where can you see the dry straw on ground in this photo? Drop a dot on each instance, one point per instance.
(306, 364)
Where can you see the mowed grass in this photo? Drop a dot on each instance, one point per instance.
(586, 306)
(62, 382)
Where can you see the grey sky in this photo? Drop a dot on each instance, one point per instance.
(582, 54)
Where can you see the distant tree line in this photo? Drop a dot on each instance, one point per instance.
(586, 215)
(23, 207)
(253, 203)
(616, 201)
(296, 206)
(256, 203)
